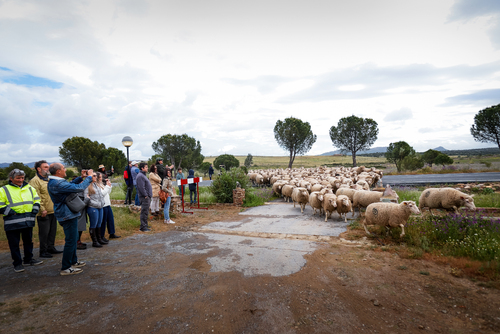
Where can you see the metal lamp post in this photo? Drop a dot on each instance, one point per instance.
(127, 142)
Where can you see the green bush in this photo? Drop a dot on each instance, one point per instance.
(471, 234)
(223, 186)
(258, 196)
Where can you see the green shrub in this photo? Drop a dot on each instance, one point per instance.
(223, 186)
(258, 196)
(471, 234)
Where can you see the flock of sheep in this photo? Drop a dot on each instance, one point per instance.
(341, 190)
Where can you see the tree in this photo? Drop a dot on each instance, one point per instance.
(443, 159)
(430, 156)
(397, 152)
(227, 160)
(113, 157)
(29, 173)
(412, 162)
(294, 136)
(486, 127)
(183, 151)
(354, 134)
(222, 187)
(81, 152)
(248, 161)
(204, 167)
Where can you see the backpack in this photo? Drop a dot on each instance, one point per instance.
(125, 175)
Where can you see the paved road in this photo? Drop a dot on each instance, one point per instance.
(452, 178)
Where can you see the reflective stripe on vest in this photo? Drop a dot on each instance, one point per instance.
(9, 198)
(18, 220)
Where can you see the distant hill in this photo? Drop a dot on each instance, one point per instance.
(377, 151)
(29, 164)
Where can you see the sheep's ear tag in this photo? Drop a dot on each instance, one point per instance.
(461, 197)
(405, 203)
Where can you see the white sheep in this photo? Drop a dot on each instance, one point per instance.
(287, 191)
(445, 198)
(316, 201)
(363, 198)
(389, 214)
(344, 206)
(300, 196)
(329, 205)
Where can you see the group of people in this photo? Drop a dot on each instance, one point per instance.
(148, 189)
(45, 198)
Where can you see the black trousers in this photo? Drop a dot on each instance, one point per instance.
(14, 238)
(47, 228)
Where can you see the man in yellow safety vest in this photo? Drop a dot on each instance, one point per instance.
(19, 205)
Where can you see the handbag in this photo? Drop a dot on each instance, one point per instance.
(163, 196)
(74, 202)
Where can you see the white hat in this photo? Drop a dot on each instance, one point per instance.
(134, 163)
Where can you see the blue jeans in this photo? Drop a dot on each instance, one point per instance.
(14, 237)
(95, 217)
(70, 228)
(166, 208)
(191, 193)
(137, 200)
(107, 220)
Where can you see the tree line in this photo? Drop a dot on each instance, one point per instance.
(354, 134)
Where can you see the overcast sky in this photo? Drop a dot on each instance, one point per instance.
(225, 71)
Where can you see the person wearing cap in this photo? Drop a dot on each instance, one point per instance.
(160, 168)
(105, 174)
(19, 204)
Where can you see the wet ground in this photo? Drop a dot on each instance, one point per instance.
(268, 269)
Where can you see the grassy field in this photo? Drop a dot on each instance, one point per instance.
(307, 161)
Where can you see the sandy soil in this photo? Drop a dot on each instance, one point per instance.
(341, 289)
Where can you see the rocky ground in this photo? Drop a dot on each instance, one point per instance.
(136, 284)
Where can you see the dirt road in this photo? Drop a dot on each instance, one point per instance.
(172, 282)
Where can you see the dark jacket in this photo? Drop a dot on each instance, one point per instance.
(160, 170)
(144, 188)
(210, 170)
(192, 186)
(130, 180)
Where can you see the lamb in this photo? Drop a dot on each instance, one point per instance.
(300, 195)
(316, 201)
(445, 198)
(363, 198)
(329, 205)
(344, 206)
(287, 191)
(389, 214)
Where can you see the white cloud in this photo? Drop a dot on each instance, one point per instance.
(225, 72)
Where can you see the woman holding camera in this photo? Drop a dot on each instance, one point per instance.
(95, 192)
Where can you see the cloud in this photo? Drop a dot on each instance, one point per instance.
(467, 10)
(402, 114)
(374, 81)
(485, 97)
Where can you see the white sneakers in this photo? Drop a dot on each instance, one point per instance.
(71, 271)
(168, 221)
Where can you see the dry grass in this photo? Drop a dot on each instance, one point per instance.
(307, 161)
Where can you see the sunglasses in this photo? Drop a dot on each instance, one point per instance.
(18, 171)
